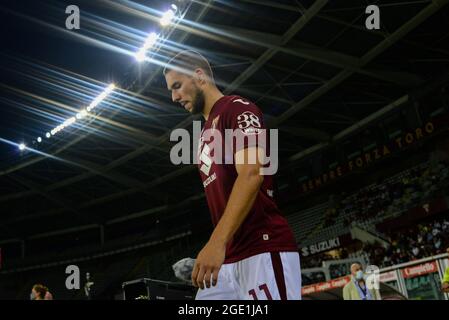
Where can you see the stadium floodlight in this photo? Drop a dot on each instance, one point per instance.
(140, 55)
(95, 103)
(22, 146)
(167, 17)
(151, 40)
(71, 121)
(110, 88)
(80, 115)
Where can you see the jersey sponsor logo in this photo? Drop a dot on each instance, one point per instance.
(206, 161)
(249, 123)
(209, 180)
(241, 101)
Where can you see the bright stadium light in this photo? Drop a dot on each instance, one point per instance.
(95, 103)
(22, 146)
(167, 17)
(110, 88)
(151, 40)
(69, 121)
(80, 115)
(140, 55)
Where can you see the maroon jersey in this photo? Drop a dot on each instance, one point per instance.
(264, 229)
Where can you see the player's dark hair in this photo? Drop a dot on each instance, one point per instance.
(187, 62)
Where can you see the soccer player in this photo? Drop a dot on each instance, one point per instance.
(252, 253)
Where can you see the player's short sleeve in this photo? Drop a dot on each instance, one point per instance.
(246, 121)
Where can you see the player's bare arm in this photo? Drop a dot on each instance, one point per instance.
(241, 200)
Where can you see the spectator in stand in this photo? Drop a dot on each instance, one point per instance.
(48, 296)
(356, 288)
(40, 292)
(426, 239)
(415, 252)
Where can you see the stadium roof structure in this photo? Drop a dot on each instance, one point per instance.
(313, 67)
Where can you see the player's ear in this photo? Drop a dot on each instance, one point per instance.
(199, 75)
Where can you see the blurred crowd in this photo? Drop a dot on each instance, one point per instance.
(414, 243)
(394, 195)
(316, 260)
(312, 277)
(421, 241)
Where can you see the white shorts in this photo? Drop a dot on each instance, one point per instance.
(266, 276)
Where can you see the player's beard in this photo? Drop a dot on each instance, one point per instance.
(198, 100)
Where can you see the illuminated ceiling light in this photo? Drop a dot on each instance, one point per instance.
(167, 17)
(94, 103)
(71, 121)
(22, 146)
(80, 115)
(68, 122)
(140, 55)
(151, 40)
(110, 88)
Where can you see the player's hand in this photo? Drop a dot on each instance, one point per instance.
(208, 264)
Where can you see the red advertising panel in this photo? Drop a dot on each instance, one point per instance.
(388, 276)
(324, 286)
(415, 271)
